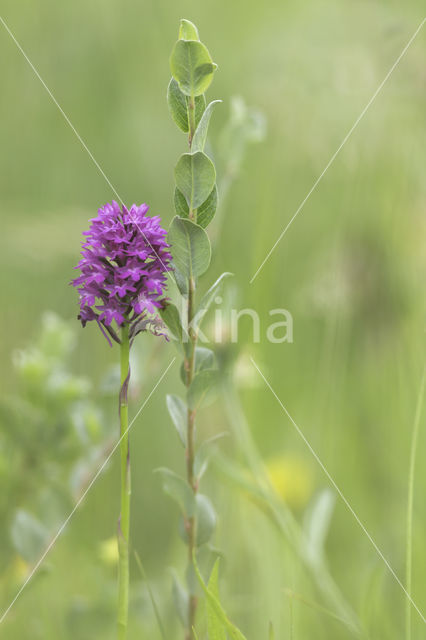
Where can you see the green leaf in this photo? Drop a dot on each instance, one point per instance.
(216, 630)
(178, 413)
(208, 298)
(203, 454)
(204, 359)
(178, 489)
(205, 212)
(271, 632)
(195, 177)
(218, 618)
(317, 524)
(201, 391)
(29, 537)
(190, 247)
(200, 107)
(200, 135)
(206, 519)
(178, 105)
(181, 281)
(192, 67)
(181, 205)
(188, 30)
(171, 318)
(180, 599)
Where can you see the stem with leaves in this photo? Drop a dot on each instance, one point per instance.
(124, 520)
(195, 202)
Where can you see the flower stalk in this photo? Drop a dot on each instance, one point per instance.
(121, 287)
(124, 519)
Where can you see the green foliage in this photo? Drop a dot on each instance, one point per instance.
(178, 106)
(178, 489)
(317, 524)
(206, 519)
(188, 30)
(200, 135)
(195, 177)
(208, 298)
(204, 453)
(190, 247)
(245, 126)
(30, 537)
(192, 67)
(203, 388)
(204, 359)
(50, 435)
(205, 211)
(171, 318)
(178, 413)
(217, 620)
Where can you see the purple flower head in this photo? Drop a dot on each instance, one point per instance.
(123, 270)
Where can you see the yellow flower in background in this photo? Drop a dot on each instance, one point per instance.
(292, 479)
(18, 570)
(108, 551)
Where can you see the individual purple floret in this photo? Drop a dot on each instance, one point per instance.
(123, 270)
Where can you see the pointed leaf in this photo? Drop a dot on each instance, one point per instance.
(192, 67)
(200, 135)
(178, 413)
(216, 610)
(202, 389)
(190, 247)
(208, 298)
(171, 318)
(188, 30)
(200, 107)
(203, 454)
(216, 630)
(195, 177)
(317, 523)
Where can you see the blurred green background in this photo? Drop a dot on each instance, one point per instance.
(351, 270)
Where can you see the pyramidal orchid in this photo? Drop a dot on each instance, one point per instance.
(124, 264)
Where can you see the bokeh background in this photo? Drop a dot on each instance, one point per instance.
(351, 270)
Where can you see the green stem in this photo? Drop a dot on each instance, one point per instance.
(410, 500)
(190, 454)
(124, 520)
(191, 119)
